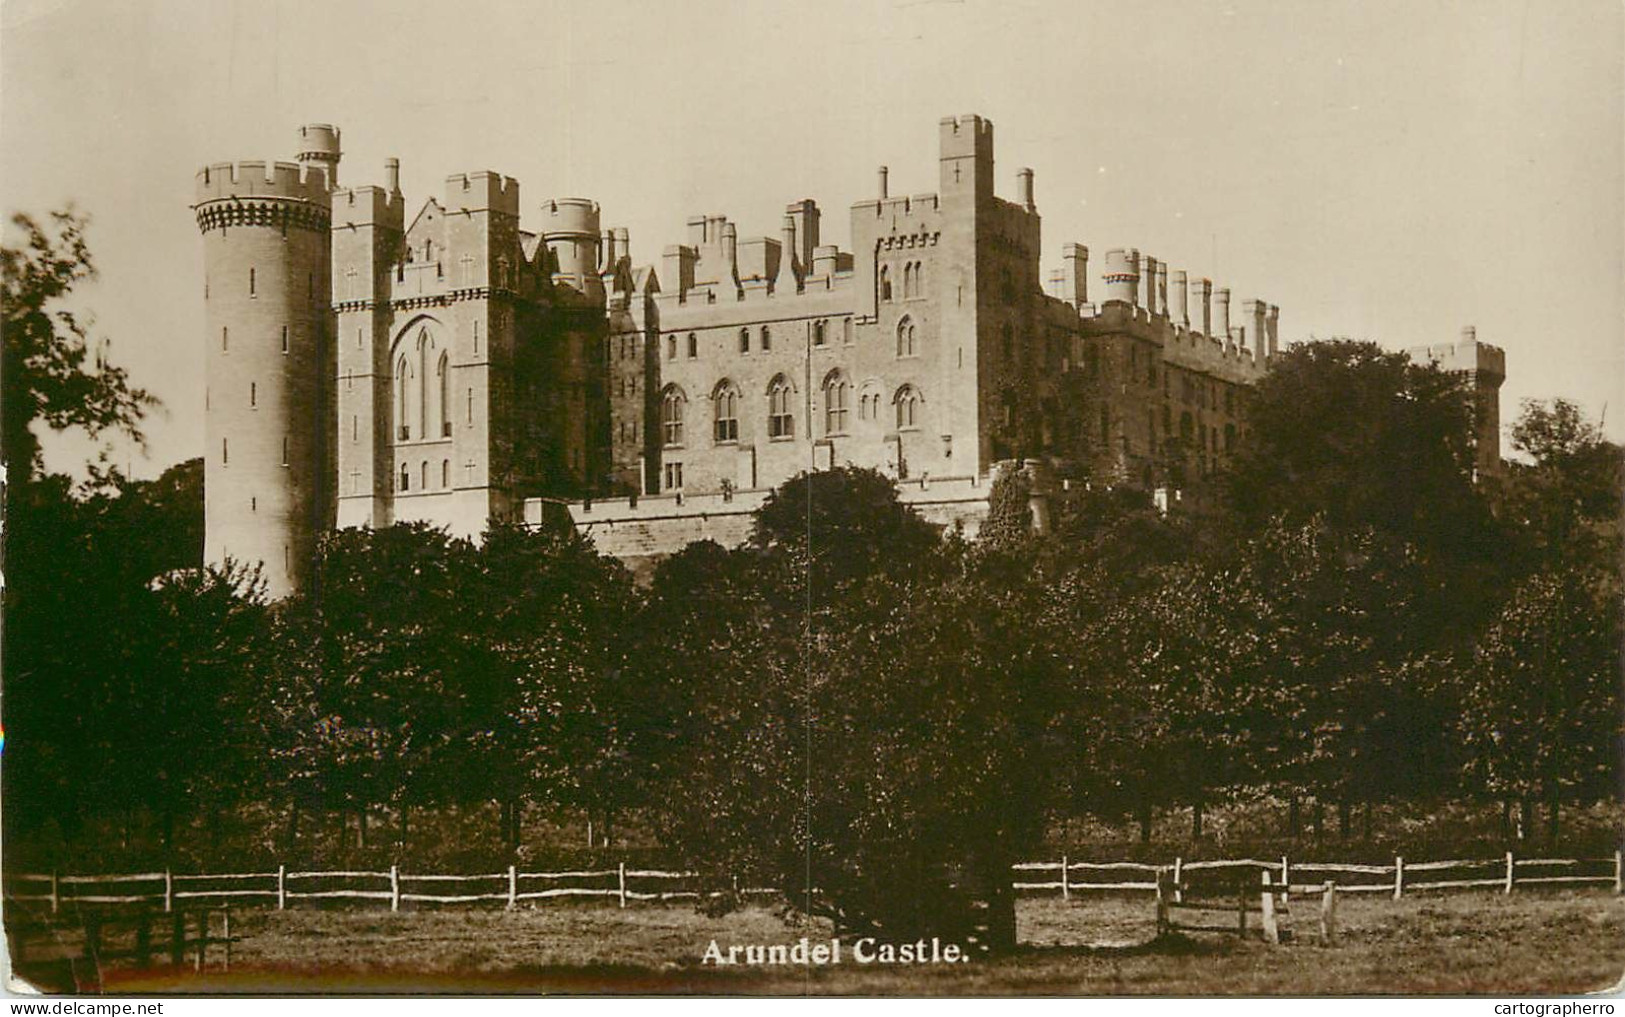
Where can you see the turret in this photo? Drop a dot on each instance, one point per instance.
(267, 359)
(570, 231)
(319, 145)
(1122, 276)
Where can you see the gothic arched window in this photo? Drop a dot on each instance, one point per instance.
(725, 411)
(403, 404)
(885, 283)
(905, 337)
(835, 400)
(673, 405)
(907, 402)
(693, 346)
(781, 423)
(442, 373)
(744, 340)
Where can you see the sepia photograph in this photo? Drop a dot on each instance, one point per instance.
(865, 498)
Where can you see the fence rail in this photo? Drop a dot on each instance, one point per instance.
(512, 886)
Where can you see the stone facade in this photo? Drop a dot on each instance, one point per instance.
(459, 368)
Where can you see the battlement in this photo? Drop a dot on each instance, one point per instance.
(905, 207)
(1467, 354)
(570, 216)
(482, 191)
(965, 135)
(293, 181)
(367, 206)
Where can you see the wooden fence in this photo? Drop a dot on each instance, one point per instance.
(626, 885)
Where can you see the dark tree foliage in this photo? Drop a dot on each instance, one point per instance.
(1564, 501)
(1363, 436)
(838, 526)
(51, 375)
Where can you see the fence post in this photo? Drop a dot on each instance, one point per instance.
(1162, 902)
(55, 892)
(1241, 907)
(281, 887)
(513, 888)
(1509, 873)
(1619, 871)
(169, 890)
(1285, 879)
(1179, 876)
(394, 888)
(1399, 876)
(621, 872)
(1066, 891)
(1266, 906)
(1328, 913)
(228, 937)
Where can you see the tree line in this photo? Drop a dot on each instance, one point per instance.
(853, 700)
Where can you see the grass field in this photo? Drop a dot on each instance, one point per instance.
(1461, 943)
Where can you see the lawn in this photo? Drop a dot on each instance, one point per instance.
(1461, 943)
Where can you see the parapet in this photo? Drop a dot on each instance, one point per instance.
(368, 206)
(569, 216)
(258, 179)
(482, 191)
(965, 135)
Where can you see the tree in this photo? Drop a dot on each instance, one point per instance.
(1363, 436)
(50, 373)
(1540, 704)
(1565, 499)
(839, 526)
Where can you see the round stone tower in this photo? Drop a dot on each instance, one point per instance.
(570, 231)
(267, 441)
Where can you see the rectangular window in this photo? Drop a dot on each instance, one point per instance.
(284, 339)
(674, 476)
(253, 394)
(225, 339)
(251, 282)
(284, 450)
(470, 405)
(225, 452)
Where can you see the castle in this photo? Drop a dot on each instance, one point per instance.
(364, 369)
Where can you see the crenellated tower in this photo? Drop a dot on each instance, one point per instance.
(268, 358)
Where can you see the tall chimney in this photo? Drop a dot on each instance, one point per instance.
(1273, 324)
(1024, 187)
(730, 254)
(1122, 271)
(1075, 274)
(1257, 310)
(1148, 275)
(1469, 334)
(392, 175)
(1182, 308)
(805, 213)
(1203, 288)
(824, 259)
(883, 192)
(1221, 315)
(1162, 288)
(609, 251)
(788, 278)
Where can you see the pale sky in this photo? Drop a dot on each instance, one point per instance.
(1382, 170)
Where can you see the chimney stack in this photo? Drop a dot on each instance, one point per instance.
(1469, 334)
(1075, 274)
(1148, 274)
(730, 253)
(1182, 308)
(1024, 187)
(1162, 288)
(1203, 288)
(392, 175)
(1272, 324)
(1221, 315)
(1257, 311)
(883, 193)
(787, 281)
(824, 259)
